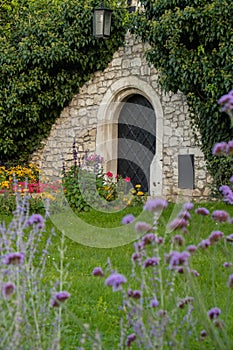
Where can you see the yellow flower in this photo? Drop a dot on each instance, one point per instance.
(138, 186)
(129, 202)
(140, 193)
(133, 191)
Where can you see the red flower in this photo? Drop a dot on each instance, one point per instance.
(109, 174)
(127, 179)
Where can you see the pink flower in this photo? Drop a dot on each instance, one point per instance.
(127, 179)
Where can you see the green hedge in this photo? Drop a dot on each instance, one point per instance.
(47, 52)
(192, 47)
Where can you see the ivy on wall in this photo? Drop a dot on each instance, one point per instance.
(192, 47)
(47, 52)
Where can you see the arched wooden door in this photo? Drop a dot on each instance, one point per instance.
(136, 140)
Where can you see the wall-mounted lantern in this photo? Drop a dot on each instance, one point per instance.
(102, 22)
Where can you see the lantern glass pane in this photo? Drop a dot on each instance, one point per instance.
(99, 22)
(107, 23)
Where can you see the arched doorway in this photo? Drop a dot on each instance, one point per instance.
(136, 140)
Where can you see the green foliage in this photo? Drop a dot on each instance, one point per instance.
(192, 47)
(73, 191)
(47, 52)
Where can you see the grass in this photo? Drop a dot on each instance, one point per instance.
(95, 304)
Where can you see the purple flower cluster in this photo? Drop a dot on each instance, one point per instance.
(127, 219)
(155, 204)
(223, 148)
(230, 281)
(142, 226)
(226, 101)
(182, 219)
(98, 272)
(149, 238)
(215, 236)
(8, 289)
(151, 262)
(178, 239)
(202, 211)
(227, 194)
(115, 280)
(177, 258)
(130, 339)
(154, 303)
(14, 258)
(59, 297)
(185, 301)
(187, 206)
(220, 215)
(214, 313)
(136, 294)
(37, 220)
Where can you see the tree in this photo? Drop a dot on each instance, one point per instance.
(192, 47)
(47, 52)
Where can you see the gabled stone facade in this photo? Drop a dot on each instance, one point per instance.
(92, 118)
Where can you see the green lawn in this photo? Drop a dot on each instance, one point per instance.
(95, 304)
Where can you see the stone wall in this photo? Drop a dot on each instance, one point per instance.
(91, 118)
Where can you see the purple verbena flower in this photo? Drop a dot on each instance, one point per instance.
(14, 258)
(214, 313)
(98, 271)
(136, 256)
(227, 264)
(127, 219)
(154, 303)
(136, 294)
(36, 219)
(226, 101)
(215, 236)
(142, 226)
(184, 214)
(205, 243)
(203, 334)
(219, 148)
(149, 238)
(178, 223)
(151, 262)
(8, 289)
(231, 179)
(202, 211)
(229, 149)
(177, 258)
(220, 215)
(130, 339)
(191, 248)
(115, 280)
(155, 204)
(230, 281)
(195, 273)
(159, 240)
(227, 193)
(229, 238)
(187, 206)
(59, 297)
(185, 301)
(178, 239)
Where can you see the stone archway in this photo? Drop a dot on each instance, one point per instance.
(107, 126)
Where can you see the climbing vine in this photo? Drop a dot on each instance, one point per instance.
(191, 44)
(47, 52)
